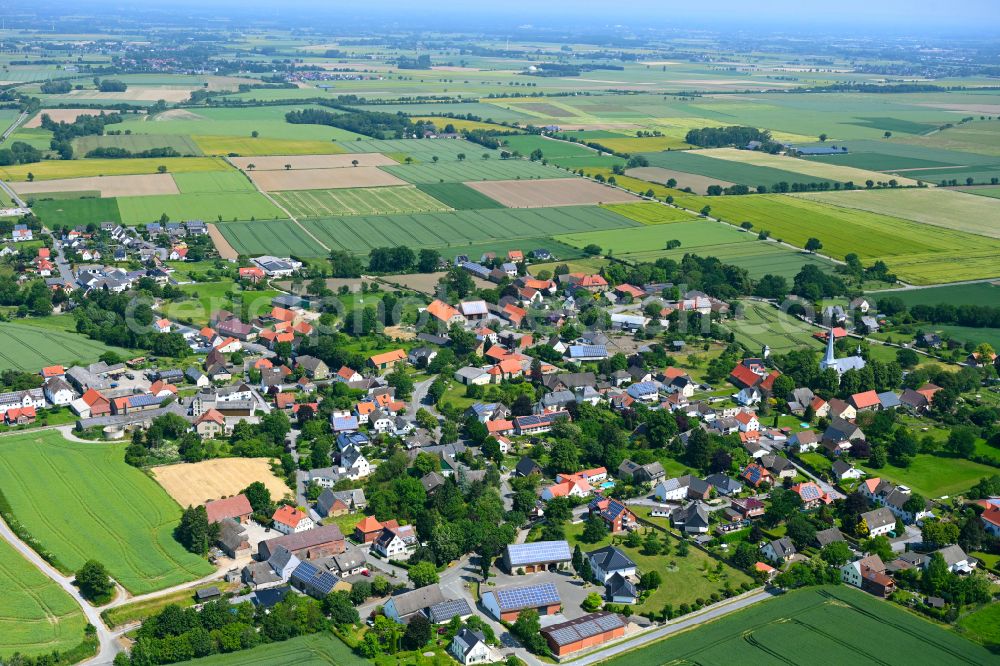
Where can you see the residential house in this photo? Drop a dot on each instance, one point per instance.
(778, 551)
(880, 521)
(614, 513)
(396, 542)
(387, 360)
(843, 471)
(469, 647)
(609, 561)
(322, 541)
(290, 520)
(404, 607)
(692, 519)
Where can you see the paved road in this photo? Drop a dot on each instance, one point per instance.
(108, 644)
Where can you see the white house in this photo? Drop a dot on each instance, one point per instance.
(671, 490)
(748, 396)
(880, 521)
(290, 520)
(355, 465)
(469, 647)
(58, 392)
(852, 572)
(608, 561)
(396, 543)
(778, 550)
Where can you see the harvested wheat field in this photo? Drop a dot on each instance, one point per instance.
(322, 179)
(223, 247)
(137, 93)
(177, 114)
(280, 162)
(191, 484)
(659, 175)
(60, 115)
(550, 192)
(108, 186)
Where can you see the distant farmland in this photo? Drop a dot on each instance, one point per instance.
(358, 201)
(440, 230)
(28, 348)
(472, 170)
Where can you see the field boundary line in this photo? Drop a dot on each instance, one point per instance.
(294, 219)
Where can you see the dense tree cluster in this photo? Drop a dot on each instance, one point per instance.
(375, 124)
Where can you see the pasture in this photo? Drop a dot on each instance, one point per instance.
(361, 201)
(474, 170)
(966, 294)
(322, 179)
(57, 169)
(76, 211)
(821, 170)
(136, 143)
(551, 192)
(909, 250)
(453, 229)
(81, 501)
(206, 206)
(37, 616)
(27, 347)
(813, 621)
(108, 186)
(240, 145)
(759, 324)
(935, 476)
(458, 196)
(936, 207)
(191, 484)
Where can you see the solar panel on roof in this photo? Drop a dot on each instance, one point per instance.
(537, 552)
(529, 596)
(304, 572)
(325, 583)
(446, 610)
(144, 400)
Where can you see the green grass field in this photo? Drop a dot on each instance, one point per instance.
(936, 207)
(207, 206)
(239, 123)
(843, 624)
(474, 169)
(935, 476)
(651, 213)
(453, 229)
(313, 650)
(71, 212)
(30, 348)
(38, 616)
(56, 169)
(459, 196)
(912, 250)
(358, 201)
(224, 145)
(982, 626)
(965, 294)
(893, 156)
(213, 182)
(136, 143)
(728, 244)
(81, 501)
(992, 192)
(762, 325)
(968, 333)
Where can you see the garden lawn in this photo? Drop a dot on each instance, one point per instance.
(24, 346)
(37, 615)
(205, 206)
(841, 623)
(323, 649)
(82, 502)
(935, 476)
(73, 212)
(685, 579)
(983, 626)
(55, 169)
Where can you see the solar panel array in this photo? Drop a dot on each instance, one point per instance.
(144, 400)
(752, 474)
(324, 583)
(538, 552)
(584, 627)
(446, 610)
(809, 492)
(588, 350)
(529, 596)
(304, 572)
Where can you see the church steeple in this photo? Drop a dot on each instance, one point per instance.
(830, 359)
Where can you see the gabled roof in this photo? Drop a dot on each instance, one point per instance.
(611, 559)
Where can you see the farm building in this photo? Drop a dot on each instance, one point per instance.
(318, 542)
(583, 632)
(236, 507)
(506, 604)
(537, 556)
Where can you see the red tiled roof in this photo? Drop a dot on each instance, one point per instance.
(230, 507)
(288, 515)
(865, 399)
(368, 524)
(744, 376)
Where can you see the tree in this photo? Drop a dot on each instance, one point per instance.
(340, 609)
(94, 582)
(887, 134)
(939, 532)
(418, 632)
(915, 503)
(650, 580)
(837, 553)
(161, 169)
(259, 497)
(800, 530)
(961, 441)
(592, 602)
(935, 577)
(594, 530)
(822, 138)
(528, 629)
(288, 167)
(814, 245)
(194, 531)
(880, 546)
(651, 544)
(423, 574)
(428, 260)
(746, 555)
(255, 134)
(460, 157)
(354, 163)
